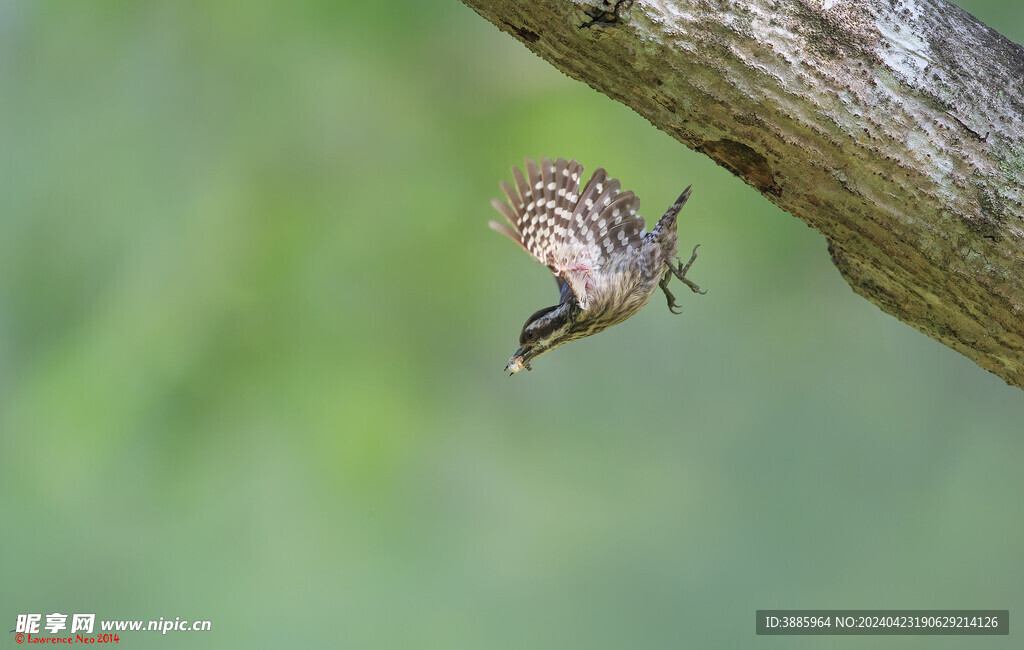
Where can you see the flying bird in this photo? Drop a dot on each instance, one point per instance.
(595, 244)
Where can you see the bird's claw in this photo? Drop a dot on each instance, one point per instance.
(672, 306)
(680, 272)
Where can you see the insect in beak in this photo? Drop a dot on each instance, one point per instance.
(517, 363)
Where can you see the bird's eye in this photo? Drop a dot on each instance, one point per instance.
(537, 326)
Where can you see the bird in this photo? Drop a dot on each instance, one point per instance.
(595, 244)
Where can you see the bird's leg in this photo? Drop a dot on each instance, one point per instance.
(680, 272)
(672, 306)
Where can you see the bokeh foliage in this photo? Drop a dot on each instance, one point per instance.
(252, 326)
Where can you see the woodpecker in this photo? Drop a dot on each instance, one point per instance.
(595, 244)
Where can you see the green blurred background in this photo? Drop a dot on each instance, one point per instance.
(252, 327)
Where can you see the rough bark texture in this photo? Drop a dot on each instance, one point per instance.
(894, 127)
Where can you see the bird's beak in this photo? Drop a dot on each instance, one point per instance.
(519, 360)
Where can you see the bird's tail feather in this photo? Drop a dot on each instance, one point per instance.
(669, 219)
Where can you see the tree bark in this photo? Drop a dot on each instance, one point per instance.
(894, 127)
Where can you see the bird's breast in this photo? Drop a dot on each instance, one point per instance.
(619, 292)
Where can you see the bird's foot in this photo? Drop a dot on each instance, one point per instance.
(680, 272)
(672, 306)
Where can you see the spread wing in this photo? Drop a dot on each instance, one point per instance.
(571, 232)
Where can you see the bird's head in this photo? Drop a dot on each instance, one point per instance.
(543, 331)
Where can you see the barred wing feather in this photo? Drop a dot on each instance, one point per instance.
(573, 233)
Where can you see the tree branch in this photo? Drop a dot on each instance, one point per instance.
(894, 127)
